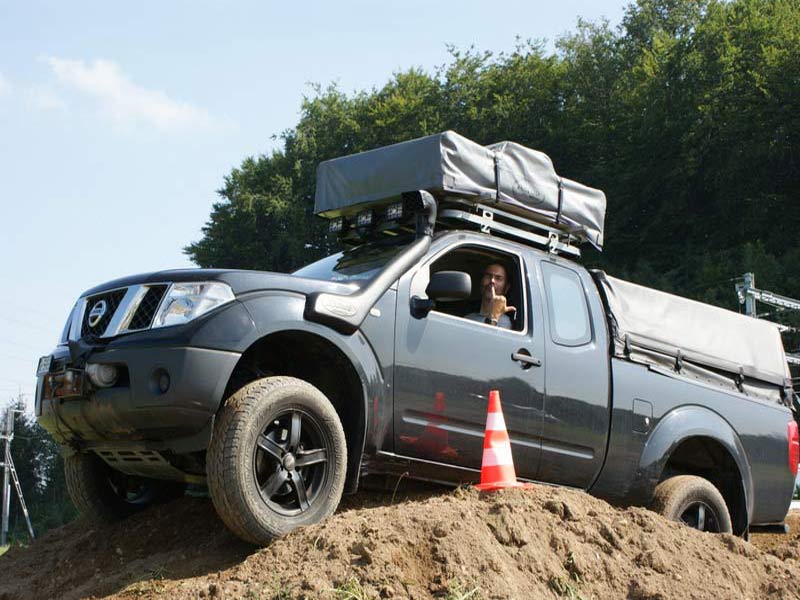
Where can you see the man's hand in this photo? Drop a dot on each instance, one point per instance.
(497, 305)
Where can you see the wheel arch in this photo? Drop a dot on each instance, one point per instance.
(694, 440)
(350, 376)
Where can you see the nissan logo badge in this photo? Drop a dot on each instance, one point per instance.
(97, 312)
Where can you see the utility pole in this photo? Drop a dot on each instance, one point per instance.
(6, 435)
(8, 428)
(748, 284)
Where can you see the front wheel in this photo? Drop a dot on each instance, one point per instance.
(693, 501)
(277, 459)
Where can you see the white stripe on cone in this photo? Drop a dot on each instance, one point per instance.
(495, 422)
(497, 456)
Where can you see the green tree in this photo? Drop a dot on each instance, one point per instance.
(687, 115)
(40, 469)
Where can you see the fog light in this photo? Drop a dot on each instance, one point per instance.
(163, 382)
(102, 375)
(159, 381)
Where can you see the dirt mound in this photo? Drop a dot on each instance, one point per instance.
(539, 543)
(782, 545)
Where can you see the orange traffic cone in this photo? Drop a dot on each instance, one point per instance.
(497, 469)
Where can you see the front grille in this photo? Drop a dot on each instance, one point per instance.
(143, 317)
(112, 300)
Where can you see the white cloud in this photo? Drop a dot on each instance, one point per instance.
(5, 86)
(45, 99)
(123, 101)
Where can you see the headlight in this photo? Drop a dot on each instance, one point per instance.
(186, 301)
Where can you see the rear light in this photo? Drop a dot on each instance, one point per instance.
(794, 446)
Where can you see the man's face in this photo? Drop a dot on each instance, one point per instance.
(494, 277)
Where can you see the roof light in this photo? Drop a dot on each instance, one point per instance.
(336, 225)
(394, 211)
(364, 218)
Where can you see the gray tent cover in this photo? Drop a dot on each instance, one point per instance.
(514, 177)
(702, 334)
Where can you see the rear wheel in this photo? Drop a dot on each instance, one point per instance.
(277, 459)
(102, 493)
(693, 501)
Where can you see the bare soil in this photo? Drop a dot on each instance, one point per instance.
(539, 543)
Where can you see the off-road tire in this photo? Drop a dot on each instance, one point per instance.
(675, 496)
(89, 484)
(232, 464)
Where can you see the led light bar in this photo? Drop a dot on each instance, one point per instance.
(336, 225)
(364, 218)
(394, 211)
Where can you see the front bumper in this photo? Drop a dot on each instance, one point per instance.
(136, 411)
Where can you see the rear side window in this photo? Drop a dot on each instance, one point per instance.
(566, 302)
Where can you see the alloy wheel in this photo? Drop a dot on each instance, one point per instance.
(290, 462)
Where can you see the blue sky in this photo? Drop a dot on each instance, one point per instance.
(118, 121)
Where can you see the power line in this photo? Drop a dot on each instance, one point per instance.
(12, 357)
(13, 343)
(709, 284)
(26, 324)
(11, 380)
(30, 309)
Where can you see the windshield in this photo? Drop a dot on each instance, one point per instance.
(356, 264)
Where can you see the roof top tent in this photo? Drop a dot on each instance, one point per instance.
(512, 191)
(504, 188)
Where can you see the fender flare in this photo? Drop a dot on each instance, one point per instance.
(282, 312)
(679, 425)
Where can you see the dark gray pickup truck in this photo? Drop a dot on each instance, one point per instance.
(281, 391)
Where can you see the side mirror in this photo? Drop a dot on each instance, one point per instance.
(449, 286)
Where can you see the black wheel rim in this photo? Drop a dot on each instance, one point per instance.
(699, 515)
(290, 462)
(131, 490)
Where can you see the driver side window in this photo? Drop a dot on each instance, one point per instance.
(485, 267)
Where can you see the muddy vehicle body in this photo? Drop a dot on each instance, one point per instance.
(280, 392)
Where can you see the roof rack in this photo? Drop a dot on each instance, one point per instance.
(456, 212)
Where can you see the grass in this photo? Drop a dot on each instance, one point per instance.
(564, 588)
(153, 583)
(3, 549)
(455, 591)
(351, 590)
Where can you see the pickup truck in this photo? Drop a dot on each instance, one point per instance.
(280, 392)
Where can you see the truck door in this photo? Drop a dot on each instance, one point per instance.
(576, 411)
(446, 364)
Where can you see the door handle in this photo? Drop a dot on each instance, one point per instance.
(525, 359)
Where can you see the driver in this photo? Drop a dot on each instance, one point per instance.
(494, 288)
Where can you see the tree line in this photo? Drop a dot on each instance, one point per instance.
(687, 115)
